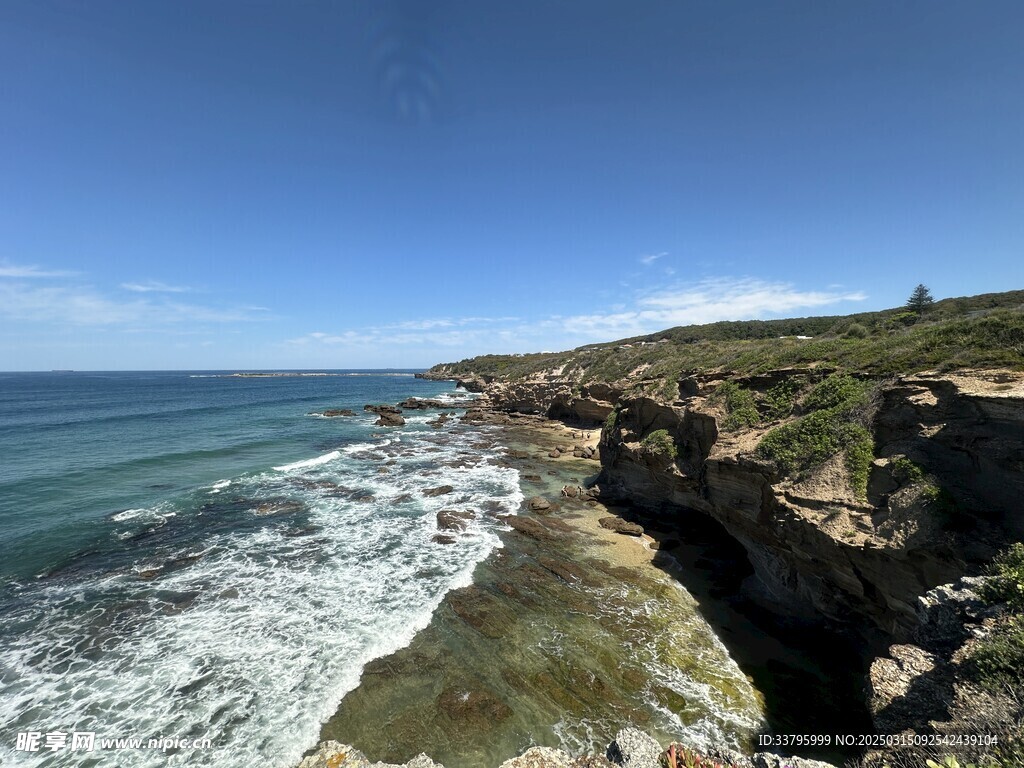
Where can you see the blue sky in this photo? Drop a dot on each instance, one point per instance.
(258, 184)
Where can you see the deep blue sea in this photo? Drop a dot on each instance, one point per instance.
(194, 555)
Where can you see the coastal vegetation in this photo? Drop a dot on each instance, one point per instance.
(659, 443)
(977, 332)
(999, 659)
(838, 412)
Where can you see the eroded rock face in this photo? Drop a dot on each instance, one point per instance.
(815, 547)
(813, 544)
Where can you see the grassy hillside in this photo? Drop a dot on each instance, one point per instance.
(983, 331)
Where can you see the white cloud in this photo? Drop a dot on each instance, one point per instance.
(703, 302)
(708, 301)
(29, 271)
(154, 286)
(85, 306)
(650, 258)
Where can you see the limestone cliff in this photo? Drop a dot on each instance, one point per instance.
(816, 545)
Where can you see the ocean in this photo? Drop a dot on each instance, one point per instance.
(194, 555)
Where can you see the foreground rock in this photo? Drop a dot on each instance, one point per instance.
(631, 748)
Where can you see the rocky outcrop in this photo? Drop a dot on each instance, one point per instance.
(816, 547)
(331, 413)
(813, 543)
(389, 415)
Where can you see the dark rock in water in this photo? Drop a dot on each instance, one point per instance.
(402, 498)
(619, 525)
(478, 710)
(452, 520)
(279, 507)
(539, 504)
(532, 528)
(230, 592)
(532, 478)
(554, 454)
(443, 538)
(439, 491)
(365, 499)
(422, 404)
(519, 454)
(439, 422)
(149, 573)
(334, 412)
(389, 415)
(379, 409)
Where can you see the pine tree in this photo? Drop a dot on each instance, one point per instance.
(920, 300)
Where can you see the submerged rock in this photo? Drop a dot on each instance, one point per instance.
(441, 490)
(473, 708)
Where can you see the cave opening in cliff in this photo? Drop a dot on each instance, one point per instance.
(810, 673)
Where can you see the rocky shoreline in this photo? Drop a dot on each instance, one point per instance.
(559, 549)
(886, 566)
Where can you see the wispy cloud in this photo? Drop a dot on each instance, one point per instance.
(9, 270)
(80, 305)
(703, 302)
(706, 302)
(154, 286)
(650, 258)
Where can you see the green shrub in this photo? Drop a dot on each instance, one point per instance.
(856, 331)
(1006, 578)
(998, 661)
(660, 443)
(837, 391)
(838, 405)
(741, 411)
(609, 422)
(778, 401)
(906, 471)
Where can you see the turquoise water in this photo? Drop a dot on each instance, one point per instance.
(186, 555)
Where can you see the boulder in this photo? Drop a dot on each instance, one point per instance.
(539, 757)
(633, 748)
(453, 520)
(333, 754)
(539, 504)
(619, 525)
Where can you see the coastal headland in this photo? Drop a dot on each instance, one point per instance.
(827, 503)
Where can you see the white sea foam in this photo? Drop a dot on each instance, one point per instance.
(254, 643)
(327, 457)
